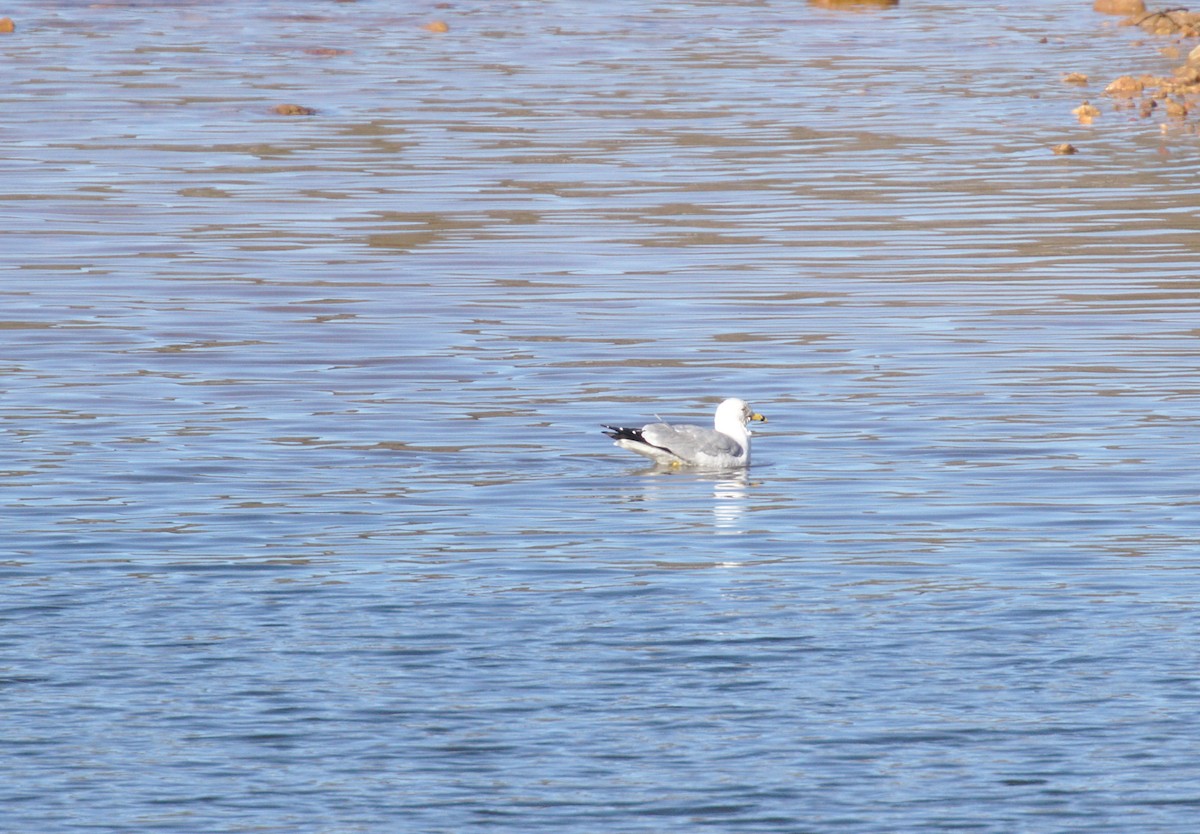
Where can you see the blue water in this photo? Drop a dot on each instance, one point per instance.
(306, 521)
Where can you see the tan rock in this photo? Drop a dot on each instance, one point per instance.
(293, 110)
(1188, 74)
(1086, 113)
(1171, 22)
(1126, 86)
(1126, 7)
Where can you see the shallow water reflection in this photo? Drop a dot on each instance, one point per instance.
(729, 498)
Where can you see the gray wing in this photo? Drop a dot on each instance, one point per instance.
(691, 443)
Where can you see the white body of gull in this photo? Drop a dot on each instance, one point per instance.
(725, 446)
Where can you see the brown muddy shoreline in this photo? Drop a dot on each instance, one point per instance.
(1171, 99)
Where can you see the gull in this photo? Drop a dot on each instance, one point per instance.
(725, 446)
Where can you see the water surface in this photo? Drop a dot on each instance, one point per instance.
(307, 522)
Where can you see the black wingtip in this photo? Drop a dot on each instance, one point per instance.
(619, 433)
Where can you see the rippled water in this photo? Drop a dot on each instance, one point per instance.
(307, 522)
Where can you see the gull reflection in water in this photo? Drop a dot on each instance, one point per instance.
(729, 499)
(729, 492)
